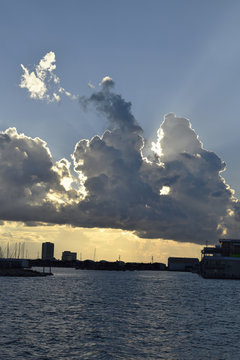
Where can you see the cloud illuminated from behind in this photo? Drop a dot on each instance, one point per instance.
(177, 192)
(42, 83)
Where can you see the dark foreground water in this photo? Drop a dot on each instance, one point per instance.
(119, 315)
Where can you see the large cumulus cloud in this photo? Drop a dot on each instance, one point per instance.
(176, 192)
(124, 188)
(31, 185)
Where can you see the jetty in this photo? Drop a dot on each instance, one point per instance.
(19, 267)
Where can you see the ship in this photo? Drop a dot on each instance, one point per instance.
(221, 261)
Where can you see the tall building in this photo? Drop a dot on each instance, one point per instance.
(47, 251)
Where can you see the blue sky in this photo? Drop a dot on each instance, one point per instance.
(180, 56)
(164, 56)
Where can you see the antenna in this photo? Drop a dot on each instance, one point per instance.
(19, 250)
(15, 251)
(7, 250)
(23, 250)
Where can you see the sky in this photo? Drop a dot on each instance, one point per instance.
(152, 185)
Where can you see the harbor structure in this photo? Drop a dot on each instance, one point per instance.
(47, 251)
(183, 264)
(19, 267)
(69, 256)
(221, 261)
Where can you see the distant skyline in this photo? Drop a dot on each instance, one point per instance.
(163, 57)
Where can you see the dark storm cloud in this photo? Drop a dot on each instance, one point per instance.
(113, 106)
(176, 193)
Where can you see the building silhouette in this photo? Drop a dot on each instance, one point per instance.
(69, 256)
(47, 251)
(182, 264)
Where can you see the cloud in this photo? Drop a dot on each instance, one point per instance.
(34, 84)
(91, 85)
(107, 82)
(113, 106)
(47, 63)
(32, 187)
(175, 192)
(42, 83)
(114, 186)
(125, 190)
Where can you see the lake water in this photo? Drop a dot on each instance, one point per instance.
(79, 314)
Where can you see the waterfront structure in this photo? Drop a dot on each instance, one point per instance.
(18, 267)
(69, 256)
(119, 266)
(47, 251)
(182, 264)
(14, 263)
(221, 261)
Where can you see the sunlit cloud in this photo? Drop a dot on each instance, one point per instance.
(107, 81)
(91, 85)
(165, 190)
(42, 83)
(175, 191)
(36, 87)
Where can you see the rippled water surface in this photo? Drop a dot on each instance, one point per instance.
(119, 315)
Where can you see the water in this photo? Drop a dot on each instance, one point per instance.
(119, 315)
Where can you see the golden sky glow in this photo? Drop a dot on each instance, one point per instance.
(109, 243)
